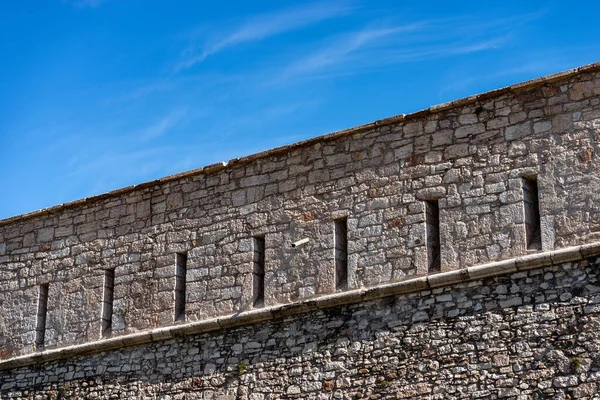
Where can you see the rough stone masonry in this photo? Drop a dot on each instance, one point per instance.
(449, 253)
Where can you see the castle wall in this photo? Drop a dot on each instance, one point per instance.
(472, 158)
(527, 335)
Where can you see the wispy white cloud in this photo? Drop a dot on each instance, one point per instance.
(140, 92)
(461, 82)
(371, 48)
(86, 3)
(162, 125)
(112, 168)
(531, 65)
(255, 120)
(261, 27)
(338, 50)
(445, 49)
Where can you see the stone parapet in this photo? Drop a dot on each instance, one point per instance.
(508, 178)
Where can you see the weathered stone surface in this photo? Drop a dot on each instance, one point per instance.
(471, 156)
(467, 345)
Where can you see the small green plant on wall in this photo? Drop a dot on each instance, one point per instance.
(575, 363)
(242, 367)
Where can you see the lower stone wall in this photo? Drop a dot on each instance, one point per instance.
(529, 335)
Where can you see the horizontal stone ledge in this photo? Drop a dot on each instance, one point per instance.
(492, 269)
(448, 278)
(257, 315)
(532, 261)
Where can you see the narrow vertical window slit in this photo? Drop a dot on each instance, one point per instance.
(432, 220)
(107, 302)
(258, 273)
(180, 284)
(341, 253)
(531, 207)
(42, 312)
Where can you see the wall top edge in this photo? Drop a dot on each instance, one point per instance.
(412, 285)
(212, 168)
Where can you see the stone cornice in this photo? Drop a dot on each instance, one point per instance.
(417, 284)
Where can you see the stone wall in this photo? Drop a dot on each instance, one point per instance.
(471, 156)
(527, 335)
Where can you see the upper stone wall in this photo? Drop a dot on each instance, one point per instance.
(471, 156)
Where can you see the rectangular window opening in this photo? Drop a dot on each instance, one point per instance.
(341, 253)
(42, 312)
(180, 284)
(107, 302)
(258, 273)
(432, 219)
(531, 207)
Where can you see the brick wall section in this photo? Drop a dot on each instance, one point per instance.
(529, 335)
(471, 157)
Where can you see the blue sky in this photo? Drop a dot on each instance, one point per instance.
(100, 94)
